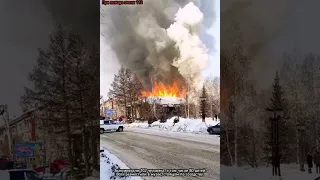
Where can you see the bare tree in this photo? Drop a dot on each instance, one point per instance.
(120, 87)
(126, 86)
(235, 66)
(212, 85)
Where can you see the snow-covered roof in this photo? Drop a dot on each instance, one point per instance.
(164, 100)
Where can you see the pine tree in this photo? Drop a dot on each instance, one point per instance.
(60, 88)
(203, 102)
(51, 84)
(277, 101)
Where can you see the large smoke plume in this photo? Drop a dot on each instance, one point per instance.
(261, 24)
(269, 29)
(78, 15)
(158, 40)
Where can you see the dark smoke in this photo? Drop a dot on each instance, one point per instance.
(81, 16)
(260, 29)
(136, 34)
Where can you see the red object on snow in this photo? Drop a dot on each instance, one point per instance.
(57, 165)
(122, 118)
(40, 169)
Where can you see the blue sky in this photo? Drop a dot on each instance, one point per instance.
(214, 55)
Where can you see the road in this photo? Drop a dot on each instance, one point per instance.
(154, 151)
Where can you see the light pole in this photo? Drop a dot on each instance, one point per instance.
(277, 114)
(203, 99)
(301, 130)
(3, 112)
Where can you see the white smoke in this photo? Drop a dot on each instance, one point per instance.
(184, 32)
(159, 40)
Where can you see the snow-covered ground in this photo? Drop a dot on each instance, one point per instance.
(195, 126)
(288, 172)
(109, 163)
(95, 176)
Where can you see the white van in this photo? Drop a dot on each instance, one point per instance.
(109, 125)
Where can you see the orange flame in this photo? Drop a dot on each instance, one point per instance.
(160, 89)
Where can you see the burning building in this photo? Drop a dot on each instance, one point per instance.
(160, 43)
(162, 102)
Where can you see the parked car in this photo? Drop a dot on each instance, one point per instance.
(19, 174)
(5, 164)
(109, 125)
(214, 129)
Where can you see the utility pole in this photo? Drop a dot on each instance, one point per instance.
(301, 146)
(277, 114)
(5, 114)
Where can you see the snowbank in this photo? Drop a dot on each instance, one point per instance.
(91, 178)
(184, 125)
(95, 176)
(109, 163)
(138, 124)
(288, 172)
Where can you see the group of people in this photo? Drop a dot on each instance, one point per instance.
(314, 160)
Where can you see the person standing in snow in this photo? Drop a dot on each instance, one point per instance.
(310, 162)
(317, 161)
